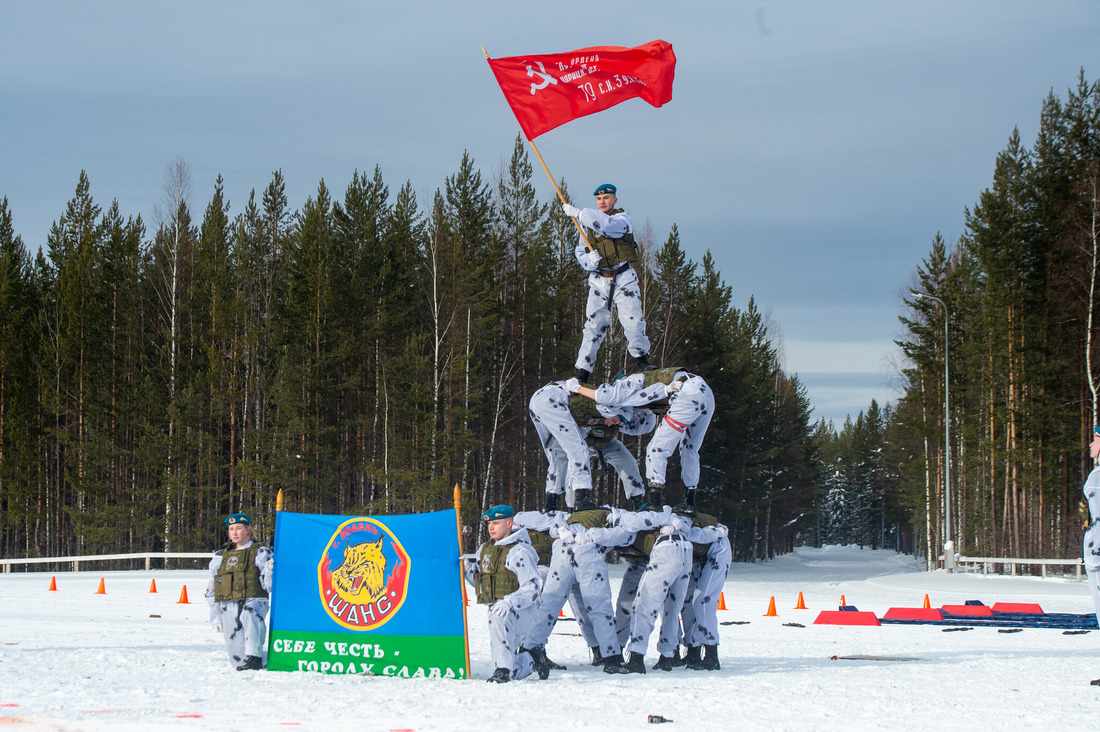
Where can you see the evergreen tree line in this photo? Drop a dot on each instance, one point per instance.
(363, 353)
(1020, 290)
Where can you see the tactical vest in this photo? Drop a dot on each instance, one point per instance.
(586, 415)
(639, 551)
(494, 582)
(614, 252)
(699, 551)
(663, 376)
(543, 545)
(237, 577)
(591, 519)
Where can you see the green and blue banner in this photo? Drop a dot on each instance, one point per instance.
(375, 595)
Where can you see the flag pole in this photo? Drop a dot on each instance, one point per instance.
(561, 197)
(462, 570)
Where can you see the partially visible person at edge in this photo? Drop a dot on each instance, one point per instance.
(1091, 543)
(240, 579)
(505, 576)
(612, 281)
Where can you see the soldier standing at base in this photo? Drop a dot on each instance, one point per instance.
(240, 578)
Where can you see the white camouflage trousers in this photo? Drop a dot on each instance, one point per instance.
(689, 412)
(243, 627)
(618, 457)
(506, 636)
(661, 594)
(578, 568)
(700, 613)
(566, 451)
(1091, 554)
(628, 301)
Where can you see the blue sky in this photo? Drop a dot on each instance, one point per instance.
(814, 148)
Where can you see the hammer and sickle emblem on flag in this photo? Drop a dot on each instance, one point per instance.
(547, 79)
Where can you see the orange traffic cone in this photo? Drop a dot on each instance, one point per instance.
(721, 601)
(801, 603)
(771, 609)
(102, 590)
(152, 585)
(927, 605)
(561, 613)
(843, 602)
(183, 597)
(53, 585)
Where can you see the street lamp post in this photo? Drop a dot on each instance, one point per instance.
(949, 545)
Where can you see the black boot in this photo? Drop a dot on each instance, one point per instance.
(676, 660)
(686, 507)
(582, 500)
(551, 503)
(614, 665)
(538, 655)
(638, 502)
(710, 659)
(500, 676)
(655, 498)
(643, 363)
(634, 665)
(583, 375)
(664, 663)
(597, 659)
(693, 659)
(251, 663)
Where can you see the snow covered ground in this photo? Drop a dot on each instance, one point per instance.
(132, 660)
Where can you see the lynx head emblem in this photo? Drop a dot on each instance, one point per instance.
(363, 575)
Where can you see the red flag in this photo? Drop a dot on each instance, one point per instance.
(547, 91)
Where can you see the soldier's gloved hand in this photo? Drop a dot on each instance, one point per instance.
(565, 535)
(722, 530)
(570, 211)
(676, 524)
(573, 385)
(583, 538)
(673, 387)
(501, 608)
(216, 625)
(667, 529)
(594, 259)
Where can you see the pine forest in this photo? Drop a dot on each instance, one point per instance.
(364, 352)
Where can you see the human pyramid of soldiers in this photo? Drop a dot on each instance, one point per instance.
(677, 558)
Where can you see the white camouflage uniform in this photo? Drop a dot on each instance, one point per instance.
(684, 426)
(561, 439)
(627, 294)
(1091, 542)
(242, 622)
(700, 613)
(510, 618)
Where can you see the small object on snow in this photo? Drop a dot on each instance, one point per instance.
(1094, 682)
(1009, 630)
(952, 630)
(734, 622)
(154, 616)
(657, 719)
(1074, 632)
(793, 625)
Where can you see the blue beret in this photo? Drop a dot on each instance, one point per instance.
(498, 512)
(1096, 429)
(238, 518)
(605, 188)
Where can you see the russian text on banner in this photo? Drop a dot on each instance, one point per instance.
(549, 90)
(378, 595)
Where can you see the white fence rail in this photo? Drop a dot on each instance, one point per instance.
(7, 564)
(1011, 562)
